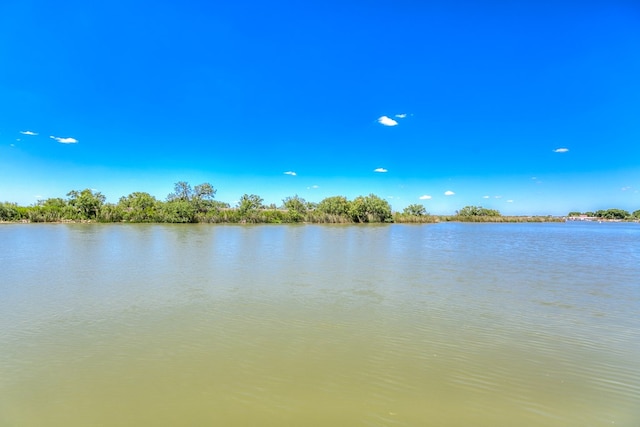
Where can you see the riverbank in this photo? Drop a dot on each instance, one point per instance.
(277, 219)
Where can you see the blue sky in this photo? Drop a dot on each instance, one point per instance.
(526, 107)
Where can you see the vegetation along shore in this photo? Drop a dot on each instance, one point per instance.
(187, 204)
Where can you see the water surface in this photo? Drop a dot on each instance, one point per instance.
(394, 325)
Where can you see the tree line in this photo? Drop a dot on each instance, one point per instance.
(187, 204)
(197, 204)
(611, 214)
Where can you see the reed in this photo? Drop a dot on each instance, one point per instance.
(402, 218)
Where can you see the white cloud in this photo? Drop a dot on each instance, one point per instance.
(380, 170)
(313, 187)
(509, 201)
(560, 150)
(401, 116)
(18, 139)
(64, 140)
(387, 121)
(290, 173)
(626, 188)
(498, 197)
(449, 193)
(28, 132)
(485, 197)
(425, 197)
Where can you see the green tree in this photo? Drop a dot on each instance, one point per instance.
(296, 208)
(415, 210)
(53, 203)
(204, 191)
(139, 207)
(612, 214)
(249, 203)
(477, 211)
(86, 203)
(336, 205)
(9, 212)
(111, 213)
(201, 197)
(50, 210)
(636, 214)
(176, 211)
(181, 191)
(370, 208)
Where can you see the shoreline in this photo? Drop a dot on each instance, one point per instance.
(427, 219)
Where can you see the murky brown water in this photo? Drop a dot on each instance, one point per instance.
(435, 325)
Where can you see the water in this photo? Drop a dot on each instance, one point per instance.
(395, 325)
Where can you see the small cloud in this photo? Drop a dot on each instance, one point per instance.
(28, 132)
(401, 116)
(509, 201)
(560, 150)
(425, 197)
(626, 188)
(485, 197)
(12, 145)
(313, 187)
(380, 170)
(386, 121)
(498, 197)
(290, 173)
(64, 140)
(449, 193)
(18, 139)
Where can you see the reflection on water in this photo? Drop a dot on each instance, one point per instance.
(445, 324)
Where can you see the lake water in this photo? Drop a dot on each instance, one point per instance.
(395, 325)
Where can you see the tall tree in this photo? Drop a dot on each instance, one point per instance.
(204, 191)
(202, 197)
(335, 205)
(181, 191)
(415, 210)
(248, 203)
(612, 214)
(370, 208)
(296, 208)
(139, 207)
(477, 211)
(86, 203)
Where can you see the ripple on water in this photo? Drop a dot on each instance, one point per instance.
(443, 325)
